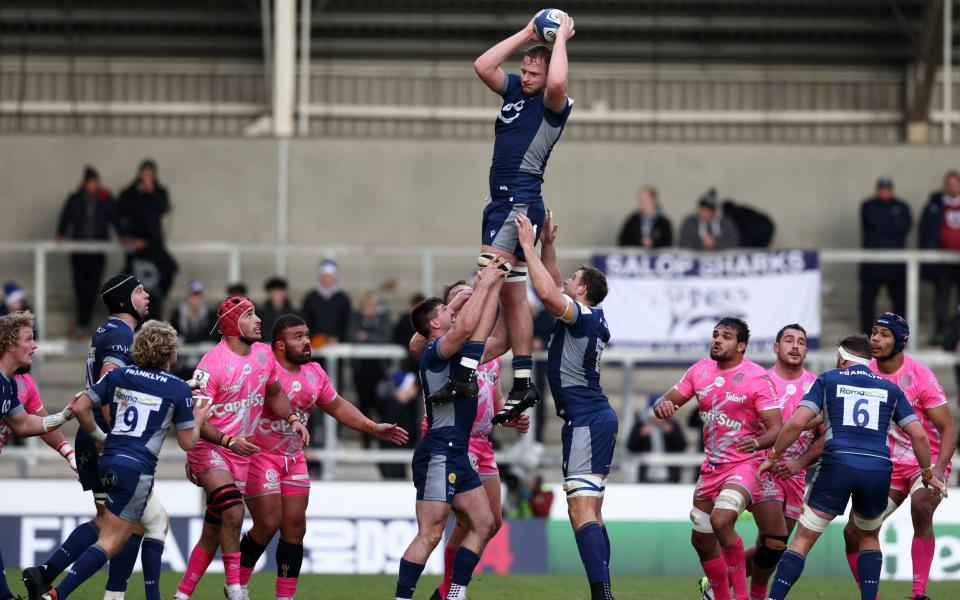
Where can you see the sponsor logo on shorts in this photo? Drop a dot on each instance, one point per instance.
(769, 487)
(216, 458)
(272, 475)
(300, 476)
(792, 508)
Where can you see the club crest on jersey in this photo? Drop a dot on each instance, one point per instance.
(791, 389)
(508, 108)
(262, 359)
(738, 378)
(905, 381)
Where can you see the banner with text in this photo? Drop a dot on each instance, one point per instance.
(671, 300)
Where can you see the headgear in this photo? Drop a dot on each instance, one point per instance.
(117, 294)
(897, 326)
(229, 313)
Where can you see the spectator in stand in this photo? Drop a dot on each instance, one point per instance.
(141, 209)
(87, 215)
(708, 228)
(951, 340)
(277, 304)
(401, 406)
(940, 230)
(326, 309)
(14, 299)
(402, 332)
(754, 228)
(237, 288)
(370, 325)
(195, 324)
(885, 222)
(646, 227)
(656, 436)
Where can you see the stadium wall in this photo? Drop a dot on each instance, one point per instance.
(349, 532)
(431, 191)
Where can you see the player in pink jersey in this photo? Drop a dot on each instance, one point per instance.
(278, 485)
(740, 417)
(240, 375)
(29, 397)
(888, 338)
(787, 483)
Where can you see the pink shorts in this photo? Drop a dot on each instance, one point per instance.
(272, 473)
(713, 478)
(789, 491)
(904, 474)
(206, 457)
(481, 457)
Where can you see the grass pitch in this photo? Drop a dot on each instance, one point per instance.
(491, 587)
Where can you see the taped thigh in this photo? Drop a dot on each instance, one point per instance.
(864, 524)
(700, 520)
(584, 485)
(731, 499)
(154, 520)
(812, 521)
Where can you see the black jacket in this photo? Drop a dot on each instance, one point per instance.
(73, 217)
(631, 234)
(756, 229)
(327, 316)
(268, 316)
(194, 331)
(140, 213)
(884, 225)
(928, 232)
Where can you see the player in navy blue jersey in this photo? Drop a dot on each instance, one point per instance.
(16, 352)
(589, 432)
(144, 401)
(858, 409)
(442, 473)
(534, 112)
(127, 303)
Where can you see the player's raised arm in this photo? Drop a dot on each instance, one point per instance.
(469, 316)
(555, 96)
(488, 64)
(348, 414)
(666, 405)
(548, 248)
(553, 300)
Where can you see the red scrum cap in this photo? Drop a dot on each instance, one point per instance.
(229, 313)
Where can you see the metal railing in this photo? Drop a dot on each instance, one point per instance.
(627, 360)
(428, 256)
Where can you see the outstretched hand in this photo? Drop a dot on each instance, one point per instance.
(549, 233)
(566, 30)
(390, 432)
(526, 232)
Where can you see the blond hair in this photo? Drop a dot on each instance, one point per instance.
(154, 345)
(10, 326)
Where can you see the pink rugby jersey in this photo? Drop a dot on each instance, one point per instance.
(922, 389)
(789, 393)
(237, 385)
(730, 402)
(306, 389)
(29, 398)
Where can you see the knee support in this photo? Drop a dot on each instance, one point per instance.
(289, 559)
(868, 524)
(700, 520)
(221, 499)
(769, 551)
(154, 520)
(731, 500)
(584, 485)
(486, 258)
(517, 275)
(812, 521)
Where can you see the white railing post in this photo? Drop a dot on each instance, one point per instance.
(427, 273)
(330, 441)
(234, 267)
(40, 289)
(913, 300)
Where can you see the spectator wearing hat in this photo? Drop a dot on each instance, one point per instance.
(192, 318)
(326, 309)
(646, 227)
(87, 215)
(708, 228)
(277, 304)
(141, 209)
(14, 299)
(940, 230)
(885, 222)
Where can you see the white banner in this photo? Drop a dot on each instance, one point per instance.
(672, 301)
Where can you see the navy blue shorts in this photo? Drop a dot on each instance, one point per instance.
(440, 475)
(128, 489)
(588, 443)
(499, 223)
(834, 483)
(88, 471)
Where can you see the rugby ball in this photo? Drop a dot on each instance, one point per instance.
(547, 22)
